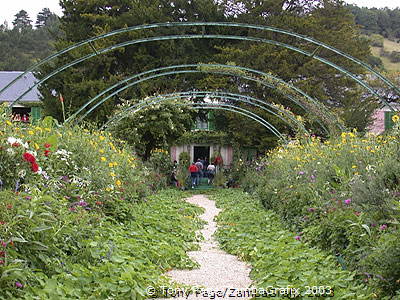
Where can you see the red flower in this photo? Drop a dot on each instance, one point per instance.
(15, 145)
(29, 157)
(2, 222)
(9, 206)
(47, 145)
(1, 262)
(99, 203)
(34, 167)
(46, 152)
(2, 254)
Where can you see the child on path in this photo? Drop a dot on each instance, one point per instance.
(193, 173)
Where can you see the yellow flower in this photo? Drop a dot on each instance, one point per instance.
(31, 132)
(118, 182)
(36, 146)
(108, 189)
(101, 151)
(112, 174)
(110, 164)
(103, 158)
(101, 138)
(395, 118)
(354, 167)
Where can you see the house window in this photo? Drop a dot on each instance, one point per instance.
(201, 124)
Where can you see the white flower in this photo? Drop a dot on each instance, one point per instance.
(34, 153)
(11, 140)
(22, 173)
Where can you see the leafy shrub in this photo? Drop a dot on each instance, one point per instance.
(341, 193)
(77, 218)
(383, 263)
(279, 258)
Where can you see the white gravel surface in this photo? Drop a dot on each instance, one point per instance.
(220, 274)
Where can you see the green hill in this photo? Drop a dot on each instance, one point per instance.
(385, 53)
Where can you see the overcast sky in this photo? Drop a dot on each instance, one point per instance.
(10, 7)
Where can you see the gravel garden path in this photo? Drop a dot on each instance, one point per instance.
(220, 274)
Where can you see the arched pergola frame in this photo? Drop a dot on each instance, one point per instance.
(312, 55)
(203, 94)
(205, 68)
(235, 109)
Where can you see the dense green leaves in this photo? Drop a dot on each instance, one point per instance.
(279, 259)
(23, 45)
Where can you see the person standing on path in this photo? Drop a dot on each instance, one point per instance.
(199, 166)
(193, 173)
(211, 173)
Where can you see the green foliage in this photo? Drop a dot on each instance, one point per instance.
(23, 45)
(58, 253)
(203, 136)
(160, 162)
(77, 218)
(341, 193)
(156, 126)
(84, 19)
(277, 258)
(383, 263)
(377, 21)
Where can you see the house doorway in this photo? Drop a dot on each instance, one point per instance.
(201, 152)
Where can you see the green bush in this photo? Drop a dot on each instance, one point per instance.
(278, 257)
(78, 219)
(341, 193)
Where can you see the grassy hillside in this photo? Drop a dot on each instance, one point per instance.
(388, 46)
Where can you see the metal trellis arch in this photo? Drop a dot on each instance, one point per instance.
(215, 94)
(215, 24)
(202, 68)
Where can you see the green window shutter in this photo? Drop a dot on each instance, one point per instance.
(35, 113)
(388, 120)
(211, 121)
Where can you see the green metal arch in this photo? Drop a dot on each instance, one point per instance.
(232, 108)
(198, 69)
(220, 24)
(215, 94)
(141, 79)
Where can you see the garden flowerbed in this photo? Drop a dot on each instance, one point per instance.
(280, 259)
(80, 216)
(341, 195)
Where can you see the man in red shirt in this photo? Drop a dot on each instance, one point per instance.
(193, 173)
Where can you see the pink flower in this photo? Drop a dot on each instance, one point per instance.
(347, 201)
(297, 238)
(311, 209)
(19, 284)
(383, 227)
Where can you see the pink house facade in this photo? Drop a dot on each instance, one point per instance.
(203, 151)
(383, 119)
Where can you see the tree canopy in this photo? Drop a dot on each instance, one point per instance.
(327, 20)
(23, 45)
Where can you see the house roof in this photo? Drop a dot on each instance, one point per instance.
(14, 91)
